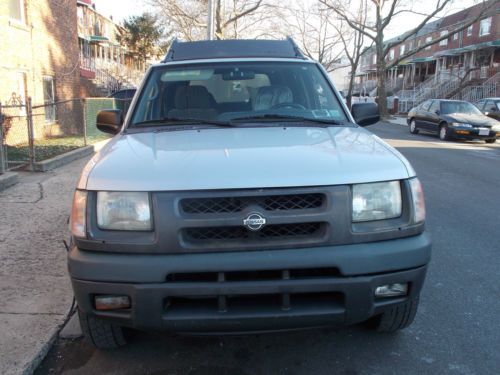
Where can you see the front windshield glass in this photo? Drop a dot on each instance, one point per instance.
(448, 108)
(226, 92)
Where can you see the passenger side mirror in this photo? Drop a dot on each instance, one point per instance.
(109, 120)
(365, 113)
(438, 112)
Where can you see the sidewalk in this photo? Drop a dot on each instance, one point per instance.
(35, 292)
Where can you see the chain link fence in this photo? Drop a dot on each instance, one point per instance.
(31, 133)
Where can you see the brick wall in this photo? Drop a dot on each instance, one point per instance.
(43, 44)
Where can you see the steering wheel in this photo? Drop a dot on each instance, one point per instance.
(288, 105)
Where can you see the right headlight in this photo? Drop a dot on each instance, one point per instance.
(376, 201)
(124, 211)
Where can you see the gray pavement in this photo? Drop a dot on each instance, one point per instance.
(35, 293)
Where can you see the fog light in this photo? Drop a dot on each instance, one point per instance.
(392, 290)
(107, 302)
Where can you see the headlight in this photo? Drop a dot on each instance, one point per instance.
(417, 195)
(377, 201)
(123, 211)
(461, 125)
(78, 214)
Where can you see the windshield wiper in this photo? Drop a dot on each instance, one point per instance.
(276, 117)
(182, 121)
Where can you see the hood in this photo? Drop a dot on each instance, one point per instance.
(242, 158)
(475, 120)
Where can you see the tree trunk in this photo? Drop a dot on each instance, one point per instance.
(381, 67)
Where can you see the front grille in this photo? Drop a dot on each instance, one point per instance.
(218, 205)
(270, 232)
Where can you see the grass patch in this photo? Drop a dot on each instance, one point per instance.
(50, 147)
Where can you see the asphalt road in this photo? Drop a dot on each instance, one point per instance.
(457, 328)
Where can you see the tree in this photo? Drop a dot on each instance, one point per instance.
(382, 13)
(314, 31)
(232, 18)
(142, 34)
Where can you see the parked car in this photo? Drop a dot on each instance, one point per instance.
(452, 119)
(240, 195)
(490, 107)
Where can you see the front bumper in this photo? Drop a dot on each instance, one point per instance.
(471, 133)
(249, 302)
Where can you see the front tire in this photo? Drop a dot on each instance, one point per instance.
(413, 127)
(444, 133)
(100, 333)
(397, 317)
(490, 140)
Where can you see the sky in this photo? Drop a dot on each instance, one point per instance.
(122, 9)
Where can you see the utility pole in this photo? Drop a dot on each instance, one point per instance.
(210, 20)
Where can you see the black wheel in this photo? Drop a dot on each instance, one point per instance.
(100, 333)
(490, 140)
(413, 127)
(443, 132)
(397, 317)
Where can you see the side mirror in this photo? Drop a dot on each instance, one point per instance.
(365, 113)
(109, 120)
(437, 112)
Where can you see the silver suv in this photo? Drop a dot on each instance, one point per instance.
(239, 194)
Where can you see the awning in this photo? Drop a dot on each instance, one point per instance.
(98, 38)
(423, 59)
(473, 47)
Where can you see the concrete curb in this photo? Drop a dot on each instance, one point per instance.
(42, 353)
(60, 160)
(7, 180)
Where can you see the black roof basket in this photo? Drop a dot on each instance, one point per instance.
(233, 48)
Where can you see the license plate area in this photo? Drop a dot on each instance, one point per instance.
(484, 131)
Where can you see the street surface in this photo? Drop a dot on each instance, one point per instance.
(457, 328)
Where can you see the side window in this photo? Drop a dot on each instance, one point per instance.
(425, 105)
(480, 105)
(490, 106)
(434, 106)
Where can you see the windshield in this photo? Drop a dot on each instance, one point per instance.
(225, 92)
(448, 108)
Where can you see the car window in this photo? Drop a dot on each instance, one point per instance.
(498, 105)
(434, 106)
(459, 107)
(425, 105)
(480, 104)
(490, 106)
(224, 91)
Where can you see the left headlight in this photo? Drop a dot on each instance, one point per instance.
(376, 201)
(124, 211)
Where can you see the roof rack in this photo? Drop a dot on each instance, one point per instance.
(233, 48)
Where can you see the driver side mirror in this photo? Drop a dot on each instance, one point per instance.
(109, 120)
(365, 113)
(438, 112)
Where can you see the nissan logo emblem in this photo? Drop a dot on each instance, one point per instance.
(254, 221)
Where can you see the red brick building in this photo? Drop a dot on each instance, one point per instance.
(472, 55)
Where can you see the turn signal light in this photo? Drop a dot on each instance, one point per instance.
(107, 302)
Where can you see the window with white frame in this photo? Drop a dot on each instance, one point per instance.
(485, 26)
(410, 45)
(428, 40)
(443, 42)
(391, 54)
(374, 59)
(16, 10)
(455, 36)
(49, 99)
(402, 48)
(469, 30)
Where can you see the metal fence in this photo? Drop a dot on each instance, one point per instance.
(31, 133)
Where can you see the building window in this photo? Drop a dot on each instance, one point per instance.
(455, 36)
(402, 49)
(410, 45)
(49, 99)
(16, 10)
(485, 26)
(443, 42)
(469, 30)
(428, 40)
(374, 59)
(391, 54)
